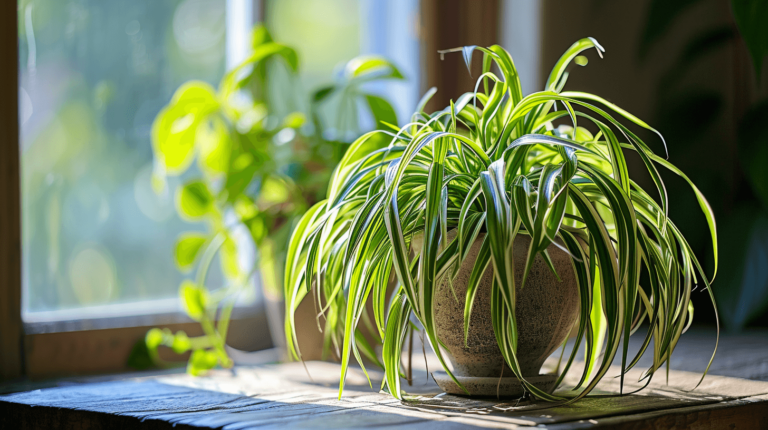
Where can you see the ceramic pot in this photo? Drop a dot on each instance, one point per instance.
(546, 309)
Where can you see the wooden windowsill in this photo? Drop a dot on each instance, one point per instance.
(102, 345)
(284, 396)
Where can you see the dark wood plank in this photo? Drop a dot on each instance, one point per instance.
(284, 396)
(20, 416)
(750, 413)
(741, 355)
(10, 200)
(283, 402)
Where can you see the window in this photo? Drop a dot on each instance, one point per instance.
(521, 36)
(97, 241)
(328, 33)
(93, 76)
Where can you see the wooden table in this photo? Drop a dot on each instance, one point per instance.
(735, 395)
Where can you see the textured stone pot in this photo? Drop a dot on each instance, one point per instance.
(545, 308)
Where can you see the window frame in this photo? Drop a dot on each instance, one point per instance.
(96, 350)
(447, 24)
(10, 195)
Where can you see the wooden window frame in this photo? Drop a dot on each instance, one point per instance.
(70, 346)
(447, 24)
(10, 198)
(102, 345)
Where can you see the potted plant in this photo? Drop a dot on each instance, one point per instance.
(258, 169)
(505, 233)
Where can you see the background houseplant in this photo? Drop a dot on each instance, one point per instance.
(692, 113)
(495, 161)
(258, 168)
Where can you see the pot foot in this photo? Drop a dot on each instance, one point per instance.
(491, 387)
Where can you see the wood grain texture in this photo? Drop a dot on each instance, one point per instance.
(284, 396)
(10, 203)
(750, 413)
(30, 417)
(740, 355)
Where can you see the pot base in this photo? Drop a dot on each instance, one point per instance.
(492, 387)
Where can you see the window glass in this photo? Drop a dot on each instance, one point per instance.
(93, 75)
(325, 33)
(328, 33)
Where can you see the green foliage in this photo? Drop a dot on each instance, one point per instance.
(497, 161)
(746, 298)
(748, 14)
(187, 248)
(753, 148)
(174, 131)
(201, 361)
(139, 357)
(692, 115)
(252, 163)
(194, 298)
(750, 17)
(194, 200)
(746, 230)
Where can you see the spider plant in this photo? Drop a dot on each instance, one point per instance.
(495, 162)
